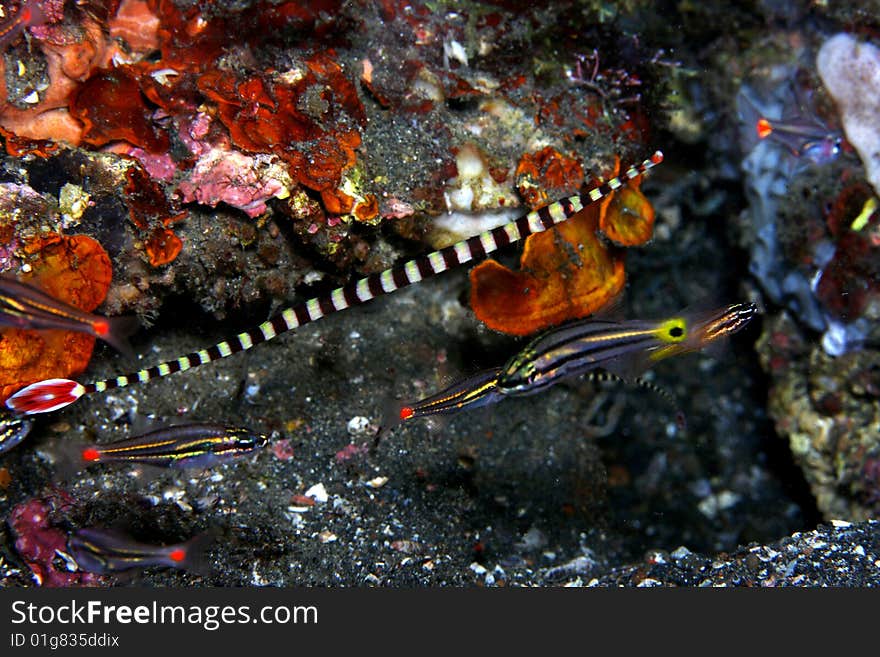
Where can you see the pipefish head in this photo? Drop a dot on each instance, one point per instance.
(694, 331)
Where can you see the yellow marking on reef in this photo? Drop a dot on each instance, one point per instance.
(868, 209)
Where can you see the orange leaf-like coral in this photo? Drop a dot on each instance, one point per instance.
(152, 214)
(565, 273)
(568, 272)
(627, 216)
(74, 269)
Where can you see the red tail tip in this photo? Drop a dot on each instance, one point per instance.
(177, 555)
(406, 413)
(763, 128)
(657, 157)
(45, 396)
(101, 326)
(91, 454)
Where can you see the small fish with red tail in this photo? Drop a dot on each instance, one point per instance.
(183, 446)
(24, 306)
(800, 131)
(105, 551)
(624, 348)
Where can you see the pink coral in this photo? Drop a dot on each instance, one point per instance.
(243, 181)
(40, 543)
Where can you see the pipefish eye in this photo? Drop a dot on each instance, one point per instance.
(672, 331)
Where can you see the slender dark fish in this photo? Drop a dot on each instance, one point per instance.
(184, 446)
(624, 348)
(24, 306)
(104, 551)
(13, 429)
(477, 390)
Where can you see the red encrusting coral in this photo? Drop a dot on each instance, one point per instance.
(74, 269)
(162, 246)
(192, 38)
(310, 116)
(852, 277)
(19, 146)
(220, 120)
(547, 175)
(71, 48)
(111, 107)
(263, 115)
(135, 24)
(151, 212)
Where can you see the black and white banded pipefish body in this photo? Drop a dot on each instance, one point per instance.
(184, 446)
(53, 394)
(625, 348)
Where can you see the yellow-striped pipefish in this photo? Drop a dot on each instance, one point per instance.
(625, 348)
